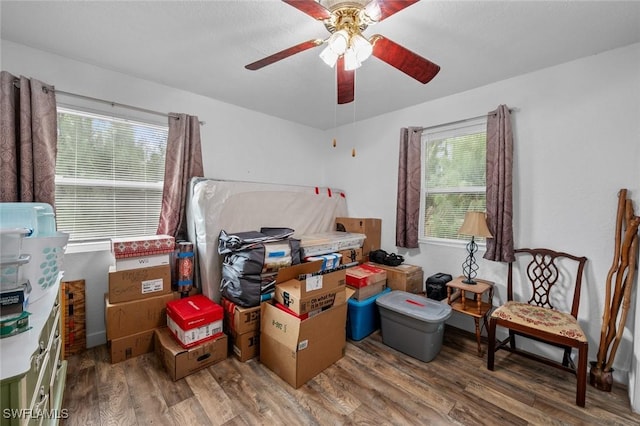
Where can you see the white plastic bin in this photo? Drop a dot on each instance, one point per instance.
(45, 264)
(412, 324)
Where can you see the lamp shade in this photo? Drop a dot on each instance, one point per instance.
(475, 224)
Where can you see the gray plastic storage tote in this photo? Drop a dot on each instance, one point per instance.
(412, 323)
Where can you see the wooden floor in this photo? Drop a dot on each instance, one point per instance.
(372, 384)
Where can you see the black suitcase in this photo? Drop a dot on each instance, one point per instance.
(437, 286)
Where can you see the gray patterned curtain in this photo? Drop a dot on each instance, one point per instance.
(183, 161)
(408, 207)
(499, 185)
(28, 140)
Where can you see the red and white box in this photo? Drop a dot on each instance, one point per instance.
(127, 263)
(364, 275)
(194, 320)
(142, 246)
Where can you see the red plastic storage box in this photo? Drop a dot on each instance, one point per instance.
(194, 320)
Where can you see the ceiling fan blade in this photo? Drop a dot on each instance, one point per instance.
(283, 54)
(403, 59)
(311, 8)
(346, 82)
(389, 7)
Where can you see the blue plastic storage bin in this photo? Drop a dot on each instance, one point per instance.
(38, 218)
(363, 317)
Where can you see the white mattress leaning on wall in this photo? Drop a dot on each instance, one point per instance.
(214, 205)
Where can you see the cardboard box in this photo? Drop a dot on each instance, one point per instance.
(126, 263)
(131, 346)
(403, 277)
(73, 317)
(194, 319)
(316, 291)
(364, 275)
(351, 256)
(180, 362)
(238, 319)
(370, 227)
(142, 246)
(135, 284)
(367, 291)
(126, 318)
(245, 346)
(298, 350)
(329, 261)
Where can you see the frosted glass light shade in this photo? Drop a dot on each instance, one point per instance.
(351, 60)
(339, 41)
(362, 47)
(329, 56)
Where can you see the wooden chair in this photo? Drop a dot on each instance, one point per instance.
(541, 318)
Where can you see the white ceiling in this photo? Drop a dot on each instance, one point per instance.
(202, 47)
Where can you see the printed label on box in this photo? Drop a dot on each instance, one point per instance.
(303, 344)
(192, 336)
(151, 286)
(314, 282)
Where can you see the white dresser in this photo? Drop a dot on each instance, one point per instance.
(32, 371)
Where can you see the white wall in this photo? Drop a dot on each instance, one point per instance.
(576, 130)
(576, 134)
(237, 144)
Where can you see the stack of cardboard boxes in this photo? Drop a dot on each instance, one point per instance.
(409, 278)
(194, 338)
(242, 325)
(403, 277)
(364, 282)
(139, 289)
(303, 328)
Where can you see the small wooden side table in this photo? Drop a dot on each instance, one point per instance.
(474, 306)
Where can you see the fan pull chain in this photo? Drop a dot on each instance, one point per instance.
(353, 150)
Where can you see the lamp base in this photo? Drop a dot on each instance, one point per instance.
(470, 267)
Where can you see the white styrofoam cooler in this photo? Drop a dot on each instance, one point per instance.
(412, 323)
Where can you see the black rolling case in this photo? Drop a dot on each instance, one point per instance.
(437, 286)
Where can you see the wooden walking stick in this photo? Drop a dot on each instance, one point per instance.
(625, 302)
(622, 195)
(617, 292)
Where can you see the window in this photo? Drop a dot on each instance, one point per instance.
(109, 175)
(453, 177)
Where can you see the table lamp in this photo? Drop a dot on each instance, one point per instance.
(475, 224)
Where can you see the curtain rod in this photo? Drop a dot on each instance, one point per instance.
(462, 121)
(114, 104)
(16, 82)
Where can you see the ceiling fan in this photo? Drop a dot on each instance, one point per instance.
(348, 48)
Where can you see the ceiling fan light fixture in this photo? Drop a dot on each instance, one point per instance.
(351, 61)
(362, 47)
(339, 41)
(329, 56)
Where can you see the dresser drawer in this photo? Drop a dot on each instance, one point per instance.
(30, 364)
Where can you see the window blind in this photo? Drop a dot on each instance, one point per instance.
(454, 177)
(109, 175)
